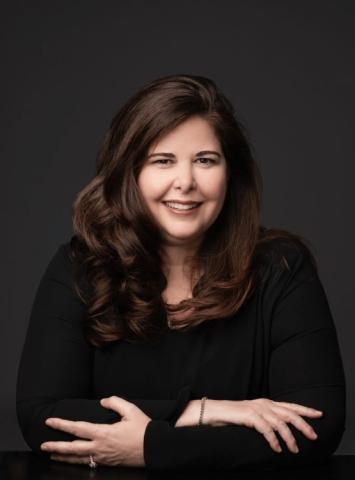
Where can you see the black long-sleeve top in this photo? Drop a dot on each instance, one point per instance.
(282, 344)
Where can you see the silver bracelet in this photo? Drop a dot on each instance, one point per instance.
(203, 400)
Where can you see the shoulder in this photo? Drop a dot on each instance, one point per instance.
(69, 253)
(287, 260)
(293, 295)
(64, 269)
(62, 264)
(61, 257)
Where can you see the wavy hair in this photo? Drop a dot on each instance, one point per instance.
(116, 239)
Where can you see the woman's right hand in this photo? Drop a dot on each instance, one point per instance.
(266, 416)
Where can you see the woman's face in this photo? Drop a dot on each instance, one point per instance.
(187, 164)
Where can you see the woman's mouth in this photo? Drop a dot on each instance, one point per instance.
(182, 209)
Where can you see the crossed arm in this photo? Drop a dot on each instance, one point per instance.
(54, 380)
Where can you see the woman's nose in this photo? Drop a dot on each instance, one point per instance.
(184, 176)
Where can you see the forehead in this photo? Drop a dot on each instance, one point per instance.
(193, 133)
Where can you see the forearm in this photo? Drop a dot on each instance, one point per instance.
(32, 414)
(235, 446)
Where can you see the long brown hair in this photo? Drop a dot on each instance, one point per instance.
(116, 239)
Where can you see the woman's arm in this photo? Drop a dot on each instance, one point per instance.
(305, 368)
(55, 371)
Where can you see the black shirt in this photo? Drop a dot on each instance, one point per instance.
(282, 344)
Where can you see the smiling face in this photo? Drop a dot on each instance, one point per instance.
(186, 174)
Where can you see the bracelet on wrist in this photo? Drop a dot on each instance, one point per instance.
(203, 400)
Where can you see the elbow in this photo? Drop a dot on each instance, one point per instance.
(329, 428)
(30, 426)
(330, 435)
(320, 450)
(31, 418)
(31, 421)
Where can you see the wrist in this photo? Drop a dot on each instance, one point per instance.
(202, 410)
(207, 411)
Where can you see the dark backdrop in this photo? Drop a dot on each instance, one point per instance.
(67, 66)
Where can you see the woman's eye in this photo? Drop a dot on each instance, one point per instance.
(162, 160)
(209, 159)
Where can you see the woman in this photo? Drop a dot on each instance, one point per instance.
(173, 330)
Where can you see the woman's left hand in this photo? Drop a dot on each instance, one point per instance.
(120, 443)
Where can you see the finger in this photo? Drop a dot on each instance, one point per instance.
(297, 421)
(77, 428)
(118, 404)
(301, 408)
(278, 424)
(71, 458)
(76, 447)
(265, 429)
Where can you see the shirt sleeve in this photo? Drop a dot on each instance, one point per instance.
(54, 377)
(305, 367)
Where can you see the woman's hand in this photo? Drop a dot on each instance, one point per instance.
(263, 414)
(118, 444)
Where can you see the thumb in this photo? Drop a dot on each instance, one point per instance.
(118, 404)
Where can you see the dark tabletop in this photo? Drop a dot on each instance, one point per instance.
(28, 466)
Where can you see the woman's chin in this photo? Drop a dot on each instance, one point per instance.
(178, 238)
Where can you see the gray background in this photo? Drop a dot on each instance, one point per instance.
(67, 66)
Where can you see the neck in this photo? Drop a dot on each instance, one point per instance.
(177, 258)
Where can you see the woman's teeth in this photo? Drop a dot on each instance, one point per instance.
(179, 206)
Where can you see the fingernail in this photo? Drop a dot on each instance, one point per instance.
(296, 450)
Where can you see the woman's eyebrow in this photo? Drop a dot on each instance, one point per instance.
(171, 155)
